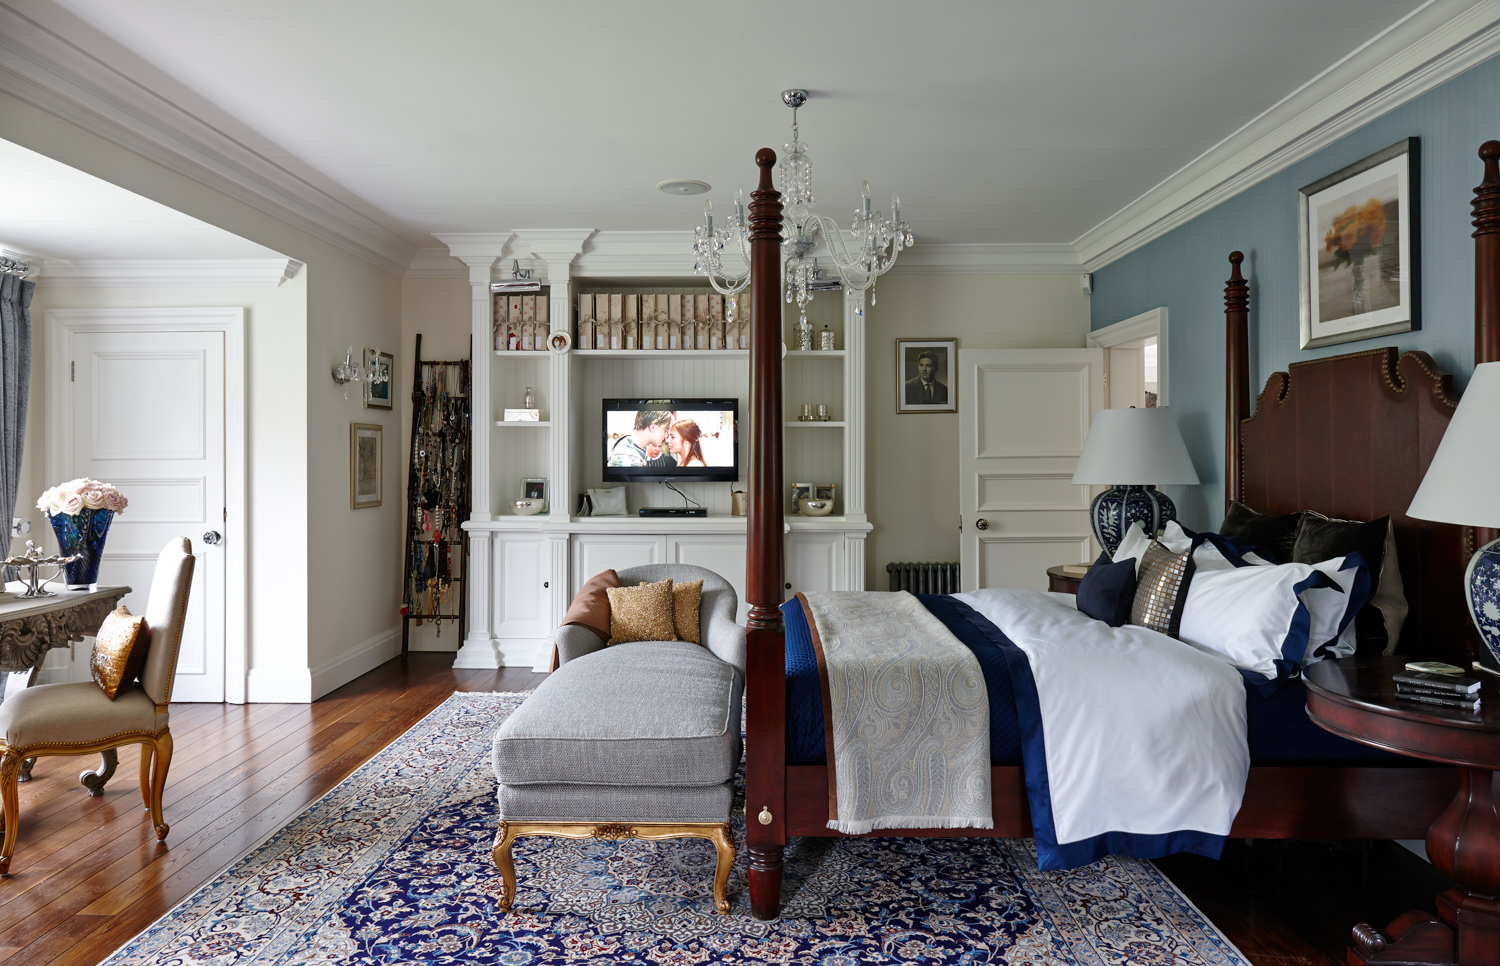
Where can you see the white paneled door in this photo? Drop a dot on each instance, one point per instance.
(1023, 416)
(145, 410)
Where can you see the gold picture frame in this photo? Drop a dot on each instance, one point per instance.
(366, 457)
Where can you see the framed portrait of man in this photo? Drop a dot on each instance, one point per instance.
(926, 375)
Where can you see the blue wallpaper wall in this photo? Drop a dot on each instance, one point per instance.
(1185, 269)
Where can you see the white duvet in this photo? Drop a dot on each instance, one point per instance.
(1144, 735)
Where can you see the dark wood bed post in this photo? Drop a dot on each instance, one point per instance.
(1487, 274)
(1236, 375)
(765, 634)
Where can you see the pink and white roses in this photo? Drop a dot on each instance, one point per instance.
(75, 496)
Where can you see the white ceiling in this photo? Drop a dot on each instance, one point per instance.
(54, 211)
(1013, 122)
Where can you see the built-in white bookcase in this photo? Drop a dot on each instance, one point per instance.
(526, 569)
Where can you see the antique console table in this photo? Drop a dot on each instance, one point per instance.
(31, 628)
(1356, 698)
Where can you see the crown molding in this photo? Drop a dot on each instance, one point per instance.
(988, 259)
(45, 70)
(636, 254)
(435, 263)
(168, 272)
(1430, 46)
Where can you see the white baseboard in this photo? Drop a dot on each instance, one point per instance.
(359, 659)
(306, 685)
(278, 686)
(482, 653)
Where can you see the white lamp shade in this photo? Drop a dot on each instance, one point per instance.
(1134, 447)
(1463, 483)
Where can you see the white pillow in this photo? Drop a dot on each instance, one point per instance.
(1254, 617)
(1176, 539)
(1133, 544)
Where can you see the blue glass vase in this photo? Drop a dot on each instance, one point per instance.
(82, 533)
(1115, 509)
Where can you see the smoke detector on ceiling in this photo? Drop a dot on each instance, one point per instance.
(683, 186)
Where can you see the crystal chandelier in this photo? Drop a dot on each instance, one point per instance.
(867, 253)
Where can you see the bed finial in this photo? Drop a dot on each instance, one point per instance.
(1487, 257)
(1236, 374)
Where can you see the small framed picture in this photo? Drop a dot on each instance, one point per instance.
(1358, 252)
(366, 444)
(535, 489)
(926, 375)
(800, 492)
(378, 395)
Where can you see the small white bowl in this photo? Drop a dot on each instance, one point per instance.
(526, 508)
(817, 508)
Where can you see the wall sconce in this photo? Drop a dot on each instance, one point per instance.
(348, 371)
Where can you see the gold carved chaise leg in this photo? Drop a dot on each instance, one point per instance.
(717, 833)
(147, 755)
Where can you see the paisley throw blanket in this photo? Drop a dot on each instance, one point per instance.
(907, 715)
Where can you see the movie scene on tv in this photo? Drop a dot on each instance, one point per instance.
(669, 439)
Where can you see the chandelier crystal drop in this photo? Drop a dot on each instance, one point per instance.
(863, 255)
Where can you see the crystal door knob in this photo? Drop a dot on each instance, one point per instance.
(981, 524)
(212, 537)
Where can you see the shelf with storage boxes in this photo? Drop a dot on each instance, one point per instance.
(527, 568)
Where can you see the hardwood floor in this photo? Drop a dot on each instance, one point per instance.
(88, 873)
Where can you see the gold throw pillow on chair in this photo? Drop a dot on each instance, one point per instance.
(641, 613)
(119, 651)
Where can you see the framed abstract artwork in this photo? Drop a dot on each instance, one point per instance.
(366, 443)
(1359, 252)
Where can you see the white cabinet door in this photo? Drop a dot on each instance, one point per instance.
(594, 553)
(814, 561)
(1023, 416)
(723, 553)
(522, 602)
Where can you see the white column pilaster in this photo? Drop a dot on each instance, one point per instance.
(479, 644)
(854, 414)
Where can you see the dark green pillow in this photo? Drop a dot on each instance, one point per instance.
(1271, 532)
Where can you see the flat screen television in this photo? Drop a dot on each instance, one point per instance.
(671, 440)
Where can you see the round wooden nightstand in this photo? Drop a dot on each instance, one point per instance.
(1061, 583)
(1356, 699)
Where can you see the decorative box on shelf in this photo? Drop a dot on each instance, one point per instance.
(523, 415)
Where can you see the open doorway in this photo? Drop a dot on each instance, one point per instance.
(1135, 369)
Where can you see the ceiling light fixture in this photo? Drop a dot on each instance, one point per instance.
(871, 249)
(684, 186)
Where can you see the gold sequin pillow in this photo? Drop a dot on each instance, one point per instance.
(686, 595)
(1161, 588)
(643, 613)
(119, 651)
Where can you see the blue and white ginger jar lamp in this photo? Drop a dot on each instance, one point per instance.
(1132, 451)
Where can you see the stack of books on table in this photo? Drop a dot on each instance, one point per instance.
(1439, 690)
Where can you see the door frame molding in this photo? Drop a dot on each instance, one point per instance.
(1133, 329)
(62, 324)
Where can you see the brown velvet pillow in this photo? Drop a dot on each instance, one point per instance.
(119, 651)
(1266, 531)
(643, 613)
(591, 607)
(686, 597)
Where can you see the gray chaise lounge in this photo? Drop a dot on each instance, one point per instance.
(638, 740)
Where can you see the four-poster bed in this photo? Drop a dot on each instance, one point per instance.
(1349, 436)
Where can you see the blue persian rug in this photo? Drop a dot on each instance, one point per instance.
(393, 866)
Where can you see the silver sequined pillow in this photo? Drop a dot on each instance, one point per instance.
(1161, 587)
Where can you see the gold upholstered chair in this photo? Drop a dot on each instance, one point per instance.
(80, 719)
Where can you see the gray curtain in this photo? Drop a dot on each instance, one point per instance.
(15, 386)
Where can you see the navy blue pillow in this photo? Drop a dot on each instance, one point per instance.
(1107, 590)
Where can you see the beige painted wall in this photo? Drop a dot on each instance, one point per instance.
(912, 473)
(438, 308)
(315, 548)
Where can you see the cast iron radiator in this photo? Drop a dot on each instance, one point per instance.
(924, 578)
